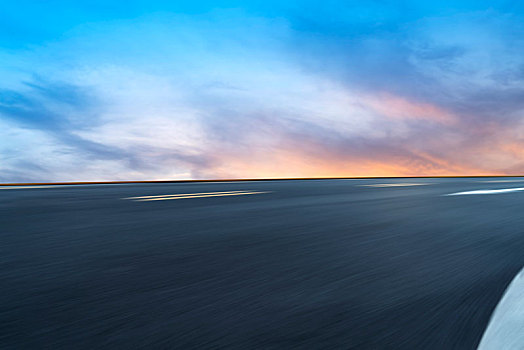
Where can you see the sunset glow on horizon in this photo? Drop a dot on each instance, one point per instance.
(246, 89)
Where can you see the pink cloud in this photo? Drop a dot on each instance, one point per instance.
(400, 108)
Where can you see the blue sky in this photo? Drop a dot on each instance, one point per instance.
(141, 90)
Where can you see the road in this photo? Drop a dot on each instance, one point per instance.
(363, 264)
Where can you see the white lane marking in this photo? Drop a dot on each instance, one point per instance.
(197, 196)
(490, 181)
(229, 182)
(184, 194)
(24, 187)
(499, 191)
(506, 327)
(397, 185)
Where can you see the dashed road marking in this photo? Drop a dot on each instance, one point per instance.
(397, 185)
(498, 191)
(492, 181)
(184, 194)
(26, 187)
(192, 195)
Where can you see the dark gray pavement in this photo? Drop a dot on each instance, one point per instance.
(313, 264)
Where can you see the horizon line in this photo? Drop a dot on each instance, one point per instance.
(240, 180)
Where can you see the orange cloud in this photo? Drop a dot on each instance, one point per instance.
(307, 159)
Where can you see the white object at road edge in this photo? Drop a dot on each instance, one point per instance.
(506, 327)
(503, 190)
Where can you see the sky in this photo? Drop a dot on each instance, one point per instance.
(156, 90)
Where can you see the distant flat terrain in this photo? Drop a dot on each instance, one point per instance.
(306, 264)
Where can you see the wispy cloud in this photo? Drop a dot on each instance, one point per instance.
(264, 91)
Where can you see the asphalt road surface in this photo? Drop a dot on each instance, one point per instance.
(273, 264)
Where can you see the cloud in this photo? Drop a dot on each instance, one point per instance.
(268, 91)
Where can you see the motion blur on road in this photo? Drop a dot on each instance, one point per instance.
(364, 264)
